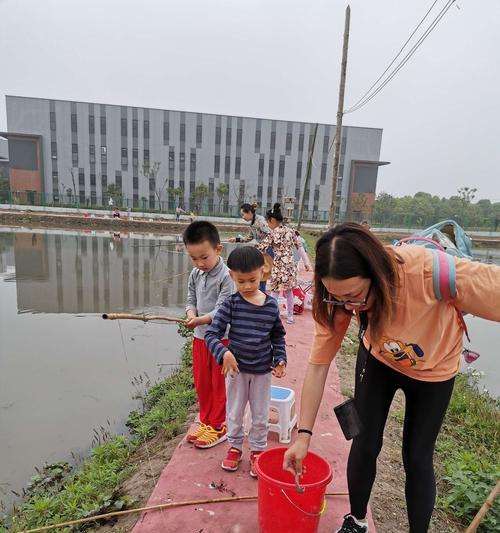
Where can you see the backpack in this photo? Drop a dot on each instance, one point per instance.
(444, 277)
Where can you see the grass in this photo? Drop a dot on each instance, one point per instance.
(58, 494)
(468, 453)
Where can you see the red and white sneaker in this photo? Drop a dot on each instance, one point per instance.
(196, 434)
(232, 460)
(253, 456)
(211, 437)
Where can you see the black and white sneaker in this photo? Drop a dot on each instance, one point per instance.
(351, 525)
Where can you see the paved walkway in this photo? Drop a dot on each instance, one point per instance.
(190, 472)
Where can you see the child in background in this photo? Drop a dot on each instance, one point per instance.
(301, 253)
(208, 286)
(256, 350)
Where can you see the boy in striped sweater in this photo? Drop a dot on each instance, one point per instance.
(256, 351)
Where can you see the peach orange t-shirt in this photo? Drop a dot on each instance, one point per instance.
(424, 340)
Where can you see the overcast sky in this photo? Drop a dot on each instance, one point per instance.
(278, 59)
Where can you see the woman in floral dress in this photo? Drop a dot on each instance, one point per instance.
(282, 240)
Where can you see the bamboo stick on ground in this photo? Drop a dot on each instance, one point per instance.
(169, 505)
(484, 509)
(144, 318)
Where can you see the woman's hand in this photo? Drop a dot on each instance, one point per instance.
(292, 462)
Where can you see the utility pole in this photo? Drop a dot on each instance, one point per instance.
(308, 177)
(340, 114)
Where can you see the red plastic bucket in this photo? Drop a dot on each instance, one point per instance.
(281, 508)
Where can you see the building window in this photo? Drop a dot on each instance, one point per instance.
(183, 132)
(259, 192)
(124, 156)
(104, 181)
(135, 128)
(341, 170)
(92, 153)
(281, 171)
(53, 150)
(261, 166)
(74, 154)
(124, 127)
(257, 140)
(273, 140)
(74, 124)
(237, 168)
(323, 173)
(118, 179)
(93, 197)
(271, 167)
(288, 142)
(239, 136)
(103, 125)
(104, 150)
(81, 178)
(182, 161)
(151, 201)
(301, 142)
(146, 156)
(229, 132)
(92, 180)
(326, 144)
(135, 157)
(135, 183)
(52, 121)
(152, 184)
(217, 135)
(192, 164)
(199, 133)
(171, 160)
(217, 164)
(343, 145)
(146, 129)
(166, 132)
(91, 125)
(299, 170)
(227, 167)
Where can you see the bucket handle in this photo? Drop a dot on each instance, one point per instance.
(312, 515)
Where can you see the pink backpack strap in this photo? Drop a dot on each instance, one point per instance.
(444, 276)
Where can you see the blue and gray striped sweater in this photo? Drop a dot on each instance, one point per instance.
(256, 337)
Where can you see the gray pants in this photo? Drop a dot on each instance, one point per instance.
(255, 389)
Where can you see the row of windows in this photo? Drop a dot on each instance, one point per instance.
(199, 133)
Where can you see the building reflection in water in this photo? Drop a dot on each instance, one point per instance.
(69, 272)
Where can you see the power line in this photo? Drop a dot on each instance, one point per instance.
(397, 55)
(403, 62)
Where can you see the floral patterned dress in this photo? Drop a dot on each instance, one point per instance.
(282, 240)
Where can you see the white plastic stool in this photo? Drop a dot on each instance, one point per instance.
(283, 404)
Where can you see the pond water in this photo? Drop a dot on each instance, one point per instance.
(65, 372)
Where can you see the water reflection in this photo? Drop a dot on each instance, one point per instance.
(79, 273)
(63, 370)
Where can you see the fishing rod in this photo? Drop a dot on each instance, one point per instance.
(143, 317)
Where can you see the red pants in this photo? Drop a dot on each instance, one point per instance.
(210, 385)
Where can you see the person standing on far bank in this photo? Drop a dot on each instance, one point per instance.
(409, 341)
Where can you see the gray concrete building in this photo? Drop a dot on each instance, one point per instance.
(82, 148)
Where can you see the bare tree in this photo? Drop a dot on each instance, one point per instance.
(156, 184)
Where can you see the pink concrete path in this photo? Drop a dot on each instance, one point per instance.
(190, 471)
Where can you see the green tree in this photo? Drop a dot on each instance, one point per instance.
(200, 194)
(222, 191)
(115, 192)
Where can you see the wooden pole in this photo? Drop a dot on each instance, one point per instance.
(308, 177)
(484, 509)
(150, 508)
(340, 114)
(144, 318)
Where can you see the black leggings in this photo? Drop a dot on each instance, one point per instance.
(426, 404)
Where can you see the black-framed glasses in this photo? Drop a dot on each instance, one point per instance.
(328, 299)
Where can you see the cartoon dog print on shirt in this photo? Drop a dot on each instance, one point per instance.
(402, 353)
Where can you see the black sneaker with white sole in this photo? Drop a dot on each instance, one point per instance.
(351, 525)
